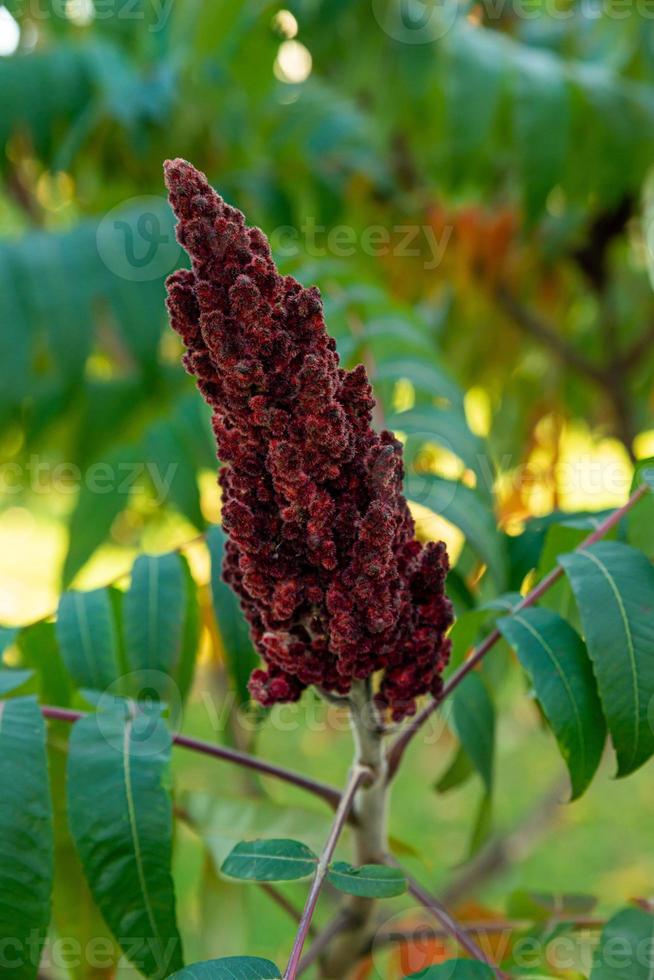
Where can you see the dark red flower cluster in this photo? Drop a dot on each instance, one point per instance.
(321, 545)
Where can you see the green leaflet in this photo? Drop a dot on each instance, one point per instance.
(290, 860)
(447, 427)
(239, 652)
(154, 613)
(87, 638)
(555, 658)
(368, 881)
(270, 860)
(26, 847)
(11, 680)
(473, 716)
(614, 589)
(626, 948)
(466, 509)
(120, 815)
(230, 968)
(94, 513)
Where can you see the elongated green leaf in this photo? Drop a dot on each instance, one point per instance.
(541, 906)
(625, 949)
(368, 881)
(170, 466)
(457, 773)
(100, 501)
(230, 968)
(555, 658)
(473, 717)
(448, 428)
(270, 860)
(239, 652)
(11, 680)
(154, 613)
(542, 116)
(425, 376)
(468, 511)
(120, 815)
(38, 645)
(87, 638)
(26, 858)
(456, 970)
(190, 634)
(614, 588)
(7, 636)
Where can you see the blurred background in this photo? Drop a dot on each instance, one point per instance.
(469, 184)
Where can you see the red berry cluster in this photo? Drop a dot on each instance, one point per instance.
(321, 546)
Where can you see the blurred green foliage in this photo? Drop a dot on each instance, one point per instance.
(470, 186)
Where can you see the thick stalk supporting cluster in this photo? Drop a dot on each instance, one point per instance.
(370, 835)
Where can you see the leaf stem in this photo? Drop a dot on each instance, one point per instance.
(399, 746)
(358, 776)
(323, 790)
(449, 924)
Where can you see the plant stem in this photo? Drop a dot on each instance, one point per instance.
(327, 793)
(399, 747)
(370, 833)
(357, 777)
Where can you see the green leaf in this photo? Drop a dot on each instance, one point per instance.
(11, 680)
(173, 474)
(239, 652)
(97, 507)
(542, 118)
(190, 634)
(614, 588)
(87, 638)
(541, 906)
(154, 613)
(456, 970)
(270, 860)
(473, 717)
(465, 509)
(625, 949)
(8, 635)
(640, 520)
(120, 816)
(230, 968)
(448, 428)
(473, 81)
(556, 660)
(26, 858)
(426, 376)
(38, 645)
(457, 773)
(368, 881)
